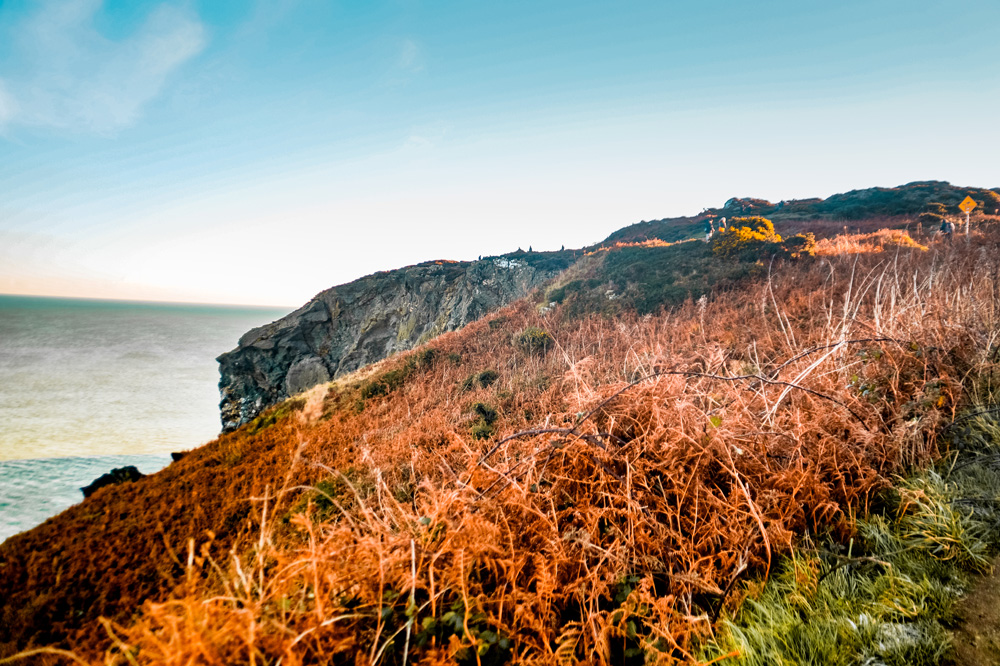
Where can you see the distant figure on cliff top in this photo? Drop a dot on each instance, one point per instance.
(709, 229)
(722, 224)
(947, 228)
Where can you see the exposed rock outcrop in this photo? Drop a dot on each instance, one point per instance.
(127, 474)
(352, 325)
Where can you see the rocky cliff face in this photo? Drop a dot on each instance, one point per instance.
(347, 327)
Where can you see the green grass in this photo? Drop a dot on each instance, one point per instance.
(281, 411)
(887, 597)
(390, 380)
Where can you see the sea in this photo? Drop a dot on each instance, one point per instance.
(88, 385)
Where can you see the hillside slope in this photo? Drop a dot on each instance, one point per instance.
(349, 326)
(551, 480)
(863, 210)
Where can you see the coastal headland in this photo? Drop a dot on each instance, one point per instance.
(673, 446)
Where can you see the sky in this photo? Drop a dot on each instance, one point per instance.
(258, 153)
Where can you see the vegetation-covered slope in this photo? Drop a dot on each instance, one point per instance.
(864, 210)
(547, 484)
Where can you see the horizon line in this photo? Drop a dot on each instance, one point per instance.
(148, 301)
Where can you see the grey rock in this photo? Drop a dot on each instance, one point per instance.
(306, 373)
(127, 474)
(351, 325)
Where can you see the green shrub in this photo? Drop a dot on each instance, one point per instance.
(483, 428)
(387, 381)
(556, 295)
(486, 413)
(487, 378)
(482, 431)
(373, 389)
(425, 357)
(533, 340)
(393, 379)
(483, 379)
(647, 278)
(930, 220)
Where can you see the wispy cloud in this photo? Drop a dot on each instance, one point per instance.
(62, 72)
(411, 57)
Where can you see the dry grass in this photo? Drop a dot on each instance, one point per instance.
(640, 467)
(878, 241)
(649, 242)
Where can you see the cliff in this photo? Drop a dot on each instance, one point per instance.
(349, 326)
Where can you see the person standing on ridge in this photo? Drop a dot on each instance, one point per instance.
(947, 228)
(709, 229)
(722, 224)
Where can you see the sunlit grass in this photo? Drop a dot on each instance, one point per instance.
(638, 469)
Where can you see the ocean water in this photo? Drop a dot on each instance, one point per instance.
(84, 380)
(34, 490)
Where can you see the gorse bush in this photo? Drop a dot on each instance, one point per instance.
(533, 340)
(747, 239)
(800, 245)
(485, 412)
(935, 208)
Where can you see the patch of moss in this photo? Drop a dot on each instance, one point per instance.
(280, 412)
(407, 328)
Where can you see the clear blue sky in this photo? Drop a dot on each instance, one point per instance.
(259, 153)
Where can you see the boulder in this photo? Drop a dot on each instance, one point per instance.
(118, 475)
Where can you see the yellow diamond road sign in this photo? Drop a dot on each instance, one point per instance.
(967, 205)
